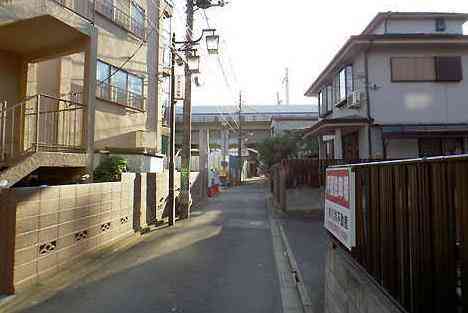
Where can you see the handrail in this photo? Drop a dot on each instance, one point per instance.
(128, 95)
(56, 125)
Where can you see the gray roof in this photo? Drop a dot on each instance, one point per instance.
(251, 109)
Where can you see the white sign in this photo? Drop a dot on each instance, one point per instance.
(340, 205)
(179, 87)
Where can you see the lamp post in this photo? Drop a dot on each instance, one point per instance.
(193, 65)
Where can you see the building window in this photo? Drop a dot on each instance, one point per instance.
(413, 69)
(138, 20)
(119, 86)
(449, 69)
(126, 14)
(342, 85)
(329, 98)
(430, 147)
(441, 25)
(349, 80)
(426, 69)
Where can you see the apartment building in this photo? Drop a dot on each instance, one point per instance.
(78, 78)
(397, 90)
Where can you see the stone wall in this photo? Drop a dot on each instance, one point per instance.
(348, 289)
(55, 225)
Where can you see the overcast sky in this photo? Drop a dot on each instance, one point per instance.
(263, 37)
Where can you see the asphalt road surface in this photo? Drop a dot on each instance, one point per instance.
(220, 261)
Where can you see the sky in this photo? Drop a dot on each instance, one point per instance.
(260, 38)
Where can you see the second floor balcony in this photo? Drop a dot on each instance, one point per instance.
(123, 97)
(131, 19)
(77, 14)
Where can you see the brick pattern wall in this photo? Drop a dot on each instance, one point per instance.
(55, 225)
(348, 288)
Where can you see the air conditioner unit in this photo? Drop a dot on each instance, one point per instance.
(356, 100)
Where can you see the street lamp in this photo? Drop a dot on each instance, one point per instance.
(205, 4)
(193, 63)
(212, 44)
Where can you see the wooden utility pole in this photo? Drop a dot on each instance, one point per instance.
(239, 148)
(187, 133)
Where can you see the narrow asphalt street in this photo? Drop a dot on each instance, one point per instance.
(220, 261)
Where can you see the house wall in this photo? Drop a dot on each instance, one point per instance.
(402, 148)
(358, 73)
(418, 26)
(10, 76)
(55, 225)
(420, 102)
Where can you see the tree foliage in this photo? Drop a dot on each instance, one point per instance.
(287, 146)
(110, 169)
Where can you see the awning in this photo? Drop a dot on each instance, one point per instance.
(328, 126)
(421, 131)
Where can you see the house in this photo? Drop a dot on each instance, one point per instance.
(79, 77)
(397, 90)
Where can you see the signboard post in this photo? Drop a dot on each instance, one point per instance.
(340, 205)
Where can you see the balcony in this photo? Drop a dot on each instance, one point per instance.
(77, 14)
(120, 96)
(49, 124)
(107, 9)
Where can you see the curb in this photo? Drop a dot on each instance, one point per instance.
(301, 287)
(299, 281)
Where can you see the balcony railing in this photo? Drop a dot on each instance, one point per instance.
(24, 9)
(120, 96)
(121, 18)
(84, 8)
(41, 123)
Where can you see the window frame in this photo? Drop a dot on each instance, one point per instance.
(127, 91)
(436, 69)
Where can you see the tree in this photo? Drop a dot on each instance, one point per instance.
(289, 145)
(110, 169)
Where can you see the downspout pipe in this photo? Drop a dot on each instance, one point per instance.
(366, 69)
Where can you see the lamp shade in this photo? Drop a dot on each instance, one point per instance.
(212, 44)
(193, 62)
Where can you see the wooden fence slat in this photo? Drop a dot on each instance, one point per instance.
(462, 203)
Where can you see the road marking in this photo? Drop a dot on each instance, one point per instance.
(246, 223)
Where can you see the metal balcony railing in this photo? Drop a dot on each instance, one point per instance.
(41, 123)
(121, 18)
(120, 96)
(84, 8)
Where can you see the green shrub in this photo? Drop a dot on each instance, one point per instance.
(110, 169)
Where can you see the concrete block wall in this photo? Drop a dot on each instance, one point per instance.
(55, 225)
(348, 289)
(151, 193)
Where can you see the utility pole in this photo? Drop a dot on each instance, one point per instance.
(172, 126)
(286, 85)
(278, 100)
(187, 132)
(239, 148)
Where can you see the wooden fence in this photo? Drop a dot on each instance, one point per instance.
(412, 231)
